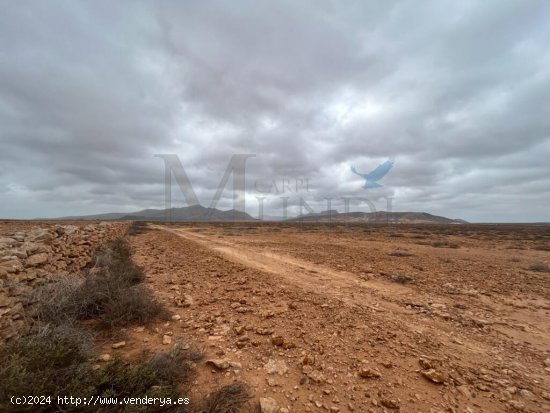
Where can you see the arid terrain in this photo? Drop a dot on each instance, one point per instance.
(351, 318)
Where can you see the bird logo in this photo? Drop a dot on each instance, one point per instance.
(372, 177)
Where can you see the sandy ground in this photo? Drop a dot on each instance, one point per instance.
(420, 318)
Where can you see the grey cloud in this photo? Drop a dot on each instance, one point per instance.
(456, 92)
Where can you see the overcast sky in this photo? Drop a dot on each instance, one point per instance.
(456, 92)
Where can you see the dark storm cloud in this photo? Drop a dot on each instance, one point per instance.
(457, 92)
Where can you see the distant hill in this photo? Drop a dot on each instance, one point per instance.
(190, 213)
(378, 216)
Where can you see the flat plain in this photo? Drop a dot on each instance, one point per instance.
(365, 318)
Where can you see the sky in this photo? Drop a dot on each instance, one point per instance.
(457, 93)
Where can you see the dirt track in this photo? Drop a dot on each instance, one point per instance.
(452, 322)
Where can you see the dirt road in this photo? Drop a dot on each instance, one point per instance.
(421, 319)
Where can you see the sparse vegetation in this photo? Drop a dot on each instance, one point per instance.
(228, 399)
(57, 358)
(401, 254)
(57, 362)
(109, 292)
(539, 267)
(401, 278)
(137, 228)
(445, 244)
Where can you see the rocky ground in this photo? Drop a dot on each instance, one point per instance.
(421, 319)
(355, 319)
(33, 253)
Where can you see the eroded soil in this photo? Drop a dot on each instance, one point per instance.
(364, 319)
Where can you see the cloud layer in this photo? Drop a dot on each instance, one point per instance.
(458, 93)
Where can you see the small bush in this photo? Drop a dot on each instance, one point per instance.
(52, 361)
(228, 399)
(116, 259)
(59, 302)
(137, 228)
(401, 254)
(540, 267)
(131, 305)
(56, 362)
(401, 278)
(108, 292)
(175, 366)
(445, 244)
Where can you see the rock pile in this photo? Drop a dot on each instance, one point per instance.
(38, 255)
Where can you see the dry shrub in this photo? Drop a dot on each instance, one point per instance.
(229, 399)
(116, 259)
(137, 228)
(57, 362)
(132, 305)
(176, 366)
(445, 244)
(401, 278)
(539, 267)
(51, 361)
(401, 254)
(108, 292)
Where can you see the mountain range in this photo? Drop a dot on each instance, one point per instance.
(200, 213)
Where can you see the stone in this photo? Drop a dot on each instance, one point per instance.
(166, 339)
(5, 301)
(526, 394)
(59, 230)
(224, 364)
(104, 357)
(308, 360)
(276, 367)
(425, 364)
(433, 375)
(120, 344)
(11, 266)
(34, 248)
(547, 362)
(277, 341)
(40, 234)
(390, 403)
(185, 301)
(7, 242)
(268, 405)
(464, 390)
(176, 317)
(37, 259)
(20, 253)
(317, 377)
(368, 373)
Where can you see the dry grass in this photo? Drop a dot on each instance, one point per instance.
(229, 399)
(401, 254)
(109, 292)
(137, 228)
(539, 267)
(401, 278)
(57, 359)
